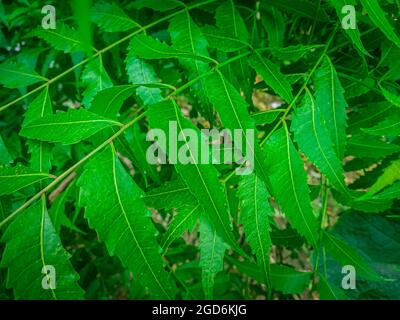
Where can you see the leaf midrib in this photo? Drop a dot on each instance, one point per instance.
(130, 227)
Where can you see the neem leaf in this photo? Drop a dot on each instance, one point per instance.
(147, 47)
(378, 17)
(254, 215)
(41, 152)
(272, 76)
(108, 102)
(68, 127)
(32, 247)
(354, 34)
(115, 209)
(158, 5)
(370, 146)
(14, 75)
(217, 39)
(112, 18)
(314, 140)
(346, 255)
(327, 291)
(172, 194)
(185, 219)
(212, 251)
(289, 184)
(390, 175)
(15, 178)
(95, 78)
(62, 38)
(332, 103)
(388, 127)
(302, 8)
(230, 22)
(141, 72)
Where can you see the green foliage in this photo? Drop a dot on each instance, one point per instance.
(78, 193)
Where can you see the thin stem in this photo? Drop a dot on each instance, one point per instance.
(99, 52)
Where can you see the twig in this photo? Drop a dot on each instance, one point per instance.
(63, 185)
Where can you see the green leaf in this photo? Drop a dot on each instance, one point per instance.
(108, 102)
(32, 243)
(378, 17)
(332, 104)
(354, 34)
(146, 47)
(14, 75)
(15, 178)
(378, 238)
(292, 53)
(57, 211)
(390, 175)
(41, 155)
(266, 117)
(5, 157)
(392, 192)
(186, 36)
(272, 76)
(95, 78)
(359, 201)
(289, 184)
(218, 40)
(284, 279)
(136, 146)
(274, 23)
(68, 127)
(369, 116)
(112, 18)
(115, 210)
(327, 291)
(40, 151)
(314, 140)
(39, 107)
(370, 146)
(212, 251)
(288, 280)
(63, 38)
(172, 194)
(140, 72)
(230, 22)
(346, 255)
(304, 8)
(388, 127)
(185, 219)
(254, 215)
(158, 5)
(393, 98)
